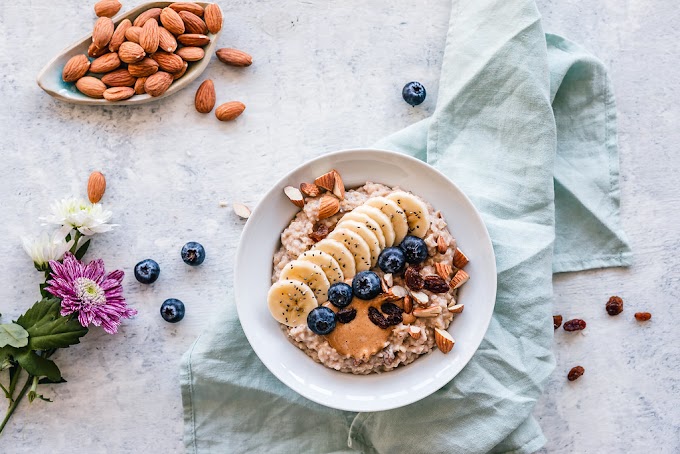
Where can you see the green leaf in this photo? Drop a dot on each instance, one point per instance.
(44, 293)
(46, 380)
(6, 353)
(14, 335)
(47, 329)
(36, 365)
(80, 253)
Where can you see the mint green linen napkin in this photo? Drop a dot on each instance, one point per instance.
(525, 125)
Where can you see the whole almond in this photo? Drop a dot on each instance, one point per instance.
(149, 38)
(75, 68)
(119, 35)
(133, 33)
(171, 20)
(105, 63)
(310, 189)
(107, 8)
(194, 8)
(229, 110)
(139, 86)
(328, 206)
(168, 62)
(130, 52)
(234, 57)
(166, 40)
(443, 340)
(153, 13)
(213, 17)
(191, 53)
(91, 86)
(102, 32)
(193, 23)
(193, 39)
(181, 72)
(96, 186)
(157, 84)
(205, 97)
(119, 78)
(143, 68)
(118, 93)
(94, 52)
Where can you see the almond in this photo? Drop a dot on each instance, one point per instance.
(193, 23)
(443, 270)
(193, 39)
(191, 53)
(166, 40)
(421, 298)
(171, 63)
(205, 97)
(139, 86)
(153, 13)
(213, 18)
(106, 63)
(181, 72)
(459, 259)
(133, 33)
(428, 312)
(157, 84)
(119, 35)
(443, 340)
(460, 278)
(194, 8)
(241, 210)
(171, 21)
(143, 68)
(229, 110)
(291, 192)
(102, 32)
(119, 78)
(107, 8)
(456, 308)
(118, 93)
(442, 245)
(96, 185)
(310, 189)
(408, 304)
(328, 206)
(75, 68)
(326, 181)
(149, 38)
(399, 291)
(91, 86)
(414, 331)
(234, 57)
(130, 52)
(407, 319)
(338, 186)
(389, 279)
(94, 52)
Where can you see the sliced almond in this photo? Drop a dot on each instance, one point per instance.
(456, 308)
(383, 286)
(399, 291)
(421, 297)
(326, 181)
(443, 340)
(328, 206)
(442, 245)
(408, 304)
(389, 280)
(310, 189)
(338, 186)
(428, 312)
(443, 270)
(241, 210)
(294, 195)
(459, 259)
(414, 331)
(459, 279)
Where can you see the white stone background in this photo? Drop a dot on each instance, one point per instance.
(327, 75)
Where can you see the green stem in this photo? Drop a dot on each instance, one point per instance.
(77, 238)
(13, 383)
(14, 405)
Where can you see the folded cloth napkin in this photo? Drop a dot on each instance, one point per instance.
(525, 126)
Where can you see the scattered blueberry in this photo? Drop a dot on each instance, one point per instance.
(147, 271)
(366, 285)
(392, 260)
(172, 310)
(340, 294)
(414, 93)
(321, 320)
(414, 249)
(193, 253)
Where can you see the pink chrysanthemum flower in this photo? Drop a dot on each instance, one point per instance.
(97, 297)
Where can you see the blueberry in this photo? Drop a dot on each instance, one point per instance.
(321, 320)
(172, 310)
(366, 285)
(340, 294)
(414, 93)
(414, 249)
(147, 271)
(392, 260)
(193, 253)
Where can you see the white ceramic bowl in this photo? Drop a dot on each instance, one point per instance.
(404, 385)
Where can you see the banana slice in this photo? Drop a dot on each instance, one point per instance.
(396, 215)
(380, 218)
(416, 212)
(340, 253)
(290, 302)
(328, 264)
(310, 274)
(356, 245)
(370, 237)
(369, 222)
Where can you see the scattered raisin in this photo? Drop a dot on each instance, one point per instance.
(557, 321)
(574, 325)
(377, 318)
(346, 314)
(413, 279)
(575, 373)
(390, 309)
(435, 284)
(319, 232)
(394, 319)
(614, 305)
(642, 316)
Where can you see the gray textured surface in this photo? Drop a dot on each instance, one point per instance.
(327, 75)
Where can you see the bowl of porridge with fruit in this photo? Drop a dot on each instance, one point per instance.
(365, 280)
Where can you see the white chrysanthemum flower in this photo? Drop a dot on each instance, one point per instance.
(88, 218)
(45, 248)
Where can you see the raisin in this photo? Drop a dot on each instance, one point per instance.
(575, 373)
(319, 232)
(390, 309)
(394, 319)
(346, 315)
(377, 318)
(614, 305)
(574, 325)
(413, 279)
(435, 284)
(557, 321)
(642, 316)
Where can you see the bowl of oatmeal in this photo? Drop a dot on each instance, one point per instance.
(373, 288)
